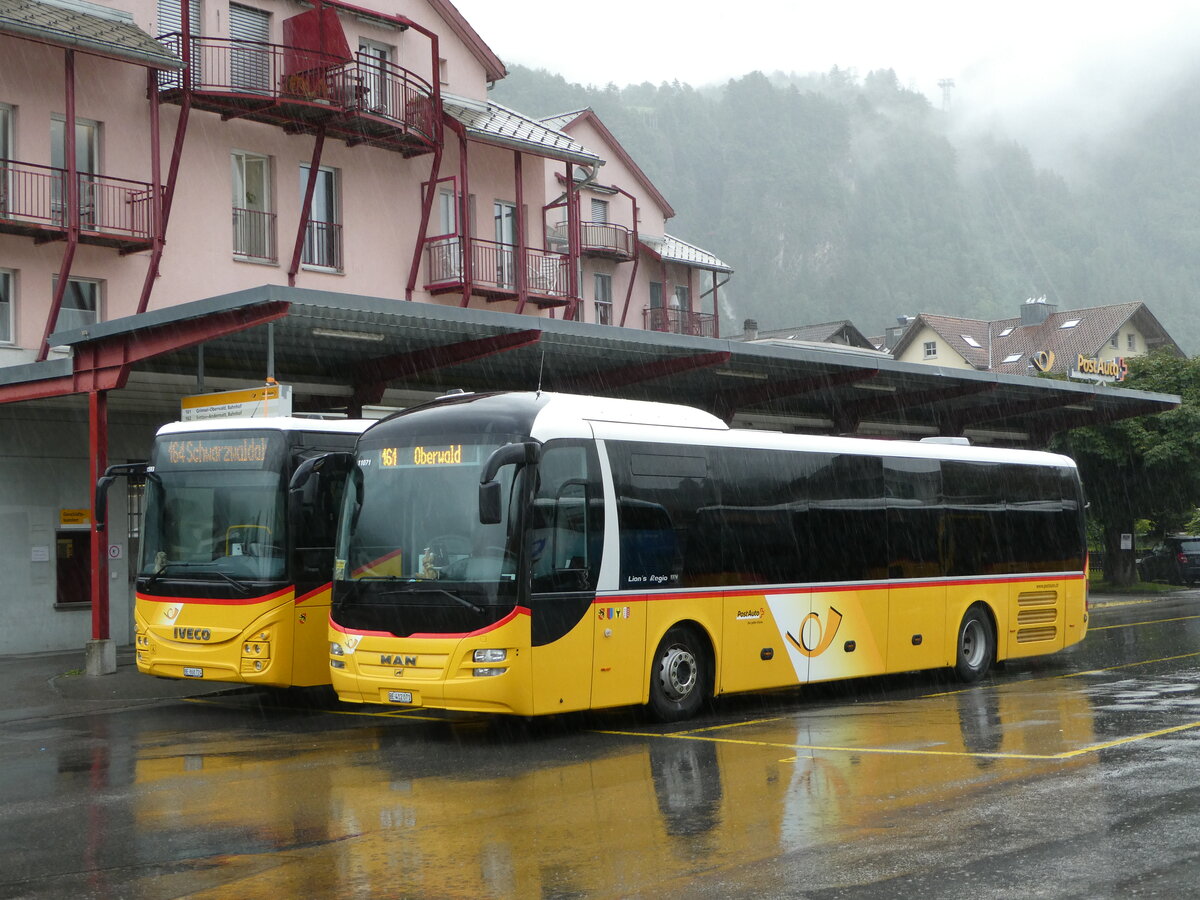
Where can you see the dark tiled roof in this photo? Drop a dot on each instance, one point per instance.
(85, 27)
(1004, 338)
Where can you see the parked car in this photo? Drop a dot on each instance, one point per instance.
(1175, 560)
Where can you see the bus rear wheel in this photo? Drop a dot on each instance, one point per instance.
(679, 676)
(976, 645)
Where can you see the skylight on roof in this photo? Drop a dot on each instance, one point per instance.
(1012, 357)
(1007, 331)
(1070, 323)
(970, 340)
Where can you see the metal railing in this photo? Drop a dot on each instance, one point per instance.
(373, 87)
(494, 266)
(323, 245)
(679, 321)
(37, 194)
(602, 237)
(254, 235)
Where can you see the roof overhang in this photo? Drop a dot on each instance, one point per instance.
(87, 27)
(333, 348)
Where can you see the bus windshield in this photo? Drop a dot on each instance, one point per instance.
(410, 532)
(215, 508)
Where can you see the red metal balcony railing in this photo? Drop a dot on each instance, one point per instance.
(494, 267)
(36, 195)
(323, 245)
(252, 76)
(679, 321)
(254, 235)
(602, 239)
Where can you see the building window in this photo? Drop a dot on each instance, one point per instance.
(7, 280)
(253, 221)
(80, 304)
(87, 165)
(603, 299)
(443, 71)
(5, 154)
(1131, 341)
(250, 58)
(930, 349)
(599, 210)
(323, 236)
(1116, 341)
(681, 300)
(971, 342)
(73, 564)
(374, 63)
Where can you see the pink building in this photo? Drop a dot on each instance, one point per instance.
(339, 148)
(156, 153)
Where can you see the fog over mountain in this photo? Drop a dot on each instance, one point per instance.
(838, 196)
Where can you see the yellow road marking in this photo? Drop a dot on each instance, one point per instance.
(1144, 662)
(898, 751)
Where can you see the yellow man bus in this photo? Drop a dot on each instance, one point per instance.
(230, 586)
(539, 553)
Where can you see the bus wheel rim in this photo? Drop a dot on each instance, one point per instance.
(972, 644)
(678, 674)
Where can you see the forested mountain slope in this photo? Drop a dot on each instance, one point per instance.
(837, 197)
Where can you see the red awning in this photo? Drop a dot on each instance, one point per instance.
(314, 40)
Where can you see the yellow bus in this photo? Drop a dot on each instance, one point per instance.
(540, 553)
(231, 584)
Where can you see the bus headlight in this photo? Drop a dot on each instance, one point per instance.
(487, 673)
(490, 656)
(335, 649)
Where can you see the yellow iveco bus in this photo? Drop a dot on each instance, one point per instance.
(539, 553)
(231, 586)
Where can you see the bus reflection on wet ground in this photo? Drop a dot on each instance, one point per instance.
(862, 783)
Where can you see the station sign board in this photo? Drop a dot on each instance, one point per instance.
(250, 403)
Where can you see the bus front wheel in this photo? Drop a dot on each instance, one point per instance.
(976, 645)
(679, 676)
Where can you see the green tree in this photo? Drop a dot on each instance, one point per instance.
(1142, 468)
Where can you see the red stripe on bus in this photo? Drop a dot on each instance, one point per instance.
(327, 586)
(210, 601)
(610, 599)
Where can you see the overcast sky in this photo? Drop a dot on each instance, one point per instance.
(1007, 59)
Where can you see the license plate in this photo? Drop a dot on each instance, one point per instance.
(399, 696)
(193, 672)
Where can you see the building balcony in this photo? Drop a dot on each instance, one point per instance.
(360, 102)
(599, 239)
(493, 271)
(113, 212)
(679, 321)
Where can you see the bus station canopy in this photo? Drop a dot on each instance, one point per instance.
(342, 352)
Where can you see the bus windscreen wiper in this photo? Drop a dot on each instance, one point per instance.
(474, 607)
(241, 587)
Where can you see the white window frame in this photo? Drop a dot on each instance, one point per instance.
(375, 77)
(602, 296)
(8, 303)
(599, 211)
(242, 199)
(1131, 342)
(334, 212)
(930, 348)
(97, 300)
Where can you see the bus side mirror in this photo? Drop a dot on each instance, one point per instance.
(313, 492)
(111, 474)
(489, 503)
(528, 453)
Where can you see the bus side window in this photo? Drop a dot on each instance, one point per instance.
(566, 530)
